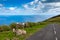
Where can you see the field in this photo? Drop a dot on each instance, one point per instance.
(5, 35)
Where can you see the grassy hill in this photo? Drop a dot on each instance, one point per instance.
(54, 19)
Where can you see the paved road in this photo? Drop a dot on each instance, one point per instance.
(51, 32)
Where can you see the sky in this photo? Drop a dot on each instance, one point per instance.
(29, 7)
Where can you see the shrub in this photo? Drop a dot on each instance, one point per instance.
(5, 28)
(29, 24)
(1, 29)
(12, 25)
(16, 26)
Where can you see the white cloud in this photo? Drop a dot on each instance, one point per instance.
(54, 10)
(31, 3)
(12, 8)
(8, 11)
(41, 5)
(55, 7)
(43, 0)
(36, 1)
(35, 5)
(36, 8)
(1, 5)
(56, 4)
(26, 6)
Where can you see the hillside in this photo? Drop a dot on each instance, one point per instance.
(54, 19)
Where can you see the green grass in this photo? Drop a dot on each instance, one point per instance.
(4, 35)
(55, 19)
(30, 31)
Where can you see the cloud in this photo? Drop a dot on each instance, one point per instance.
(36, 1)
(12, 8)
(26, 6)
(31, 8)
(35, 7)
(54, 4)
(9, 11)
(31, 3)
(54, 8)
(1, 5)
(43, 0)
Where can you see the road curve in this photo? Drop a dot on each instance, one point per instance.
(51, 32)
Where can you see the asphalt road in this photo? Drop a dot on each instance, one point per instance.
(51, 32)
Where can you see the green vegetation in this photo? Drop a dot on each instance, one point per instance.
(7, 33)
(4, 28)
(55, 19)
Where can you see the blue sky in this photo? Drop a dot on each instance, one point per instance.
(17, 3)
(29, 7)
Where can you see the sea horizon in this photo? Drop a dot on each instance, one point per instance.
(6, 20)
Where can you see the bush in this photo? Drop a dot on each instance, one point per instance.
(1, 29)
(4, 28)
(12, 25)
(29, 24)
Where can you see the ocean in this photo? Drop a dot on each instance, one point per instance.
(8, 19)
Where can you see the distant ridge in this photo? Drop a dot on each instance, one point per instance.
(53, 19)
(56, 16)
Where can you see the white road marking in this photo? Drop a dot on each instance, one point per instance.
(56, 38)
(55, 31)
